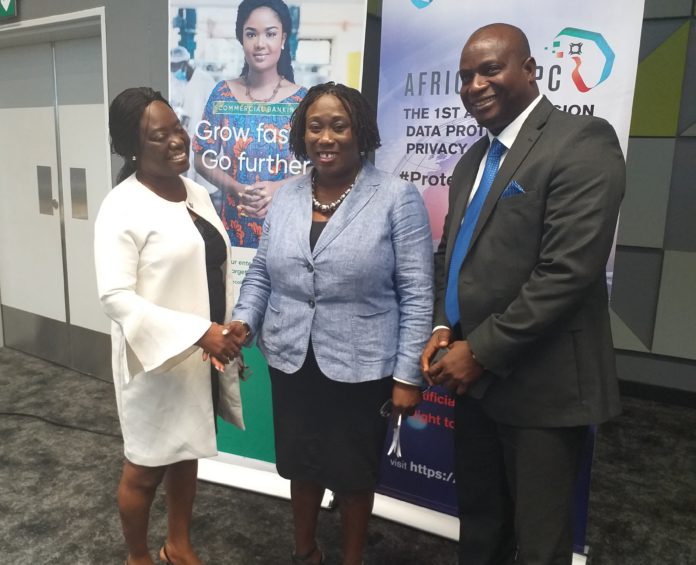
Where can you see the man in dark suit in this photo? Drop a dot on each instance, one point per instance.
(521, 305)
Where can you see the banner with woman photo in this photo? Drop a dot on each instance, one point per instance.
(237, 72)
(587, 55)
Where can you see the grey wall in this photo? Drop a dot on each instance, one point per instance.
(136, 40)
(136, 37)
(654, 298)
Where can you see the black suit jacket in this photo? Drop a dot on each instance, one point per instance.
(532, 289)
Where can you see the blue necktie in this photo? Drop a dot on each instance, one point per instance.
(466, 230)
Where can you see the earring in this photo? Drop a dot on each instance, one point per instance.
(134, 158)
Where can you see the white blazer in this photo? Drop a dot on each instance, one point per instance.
(151, 277)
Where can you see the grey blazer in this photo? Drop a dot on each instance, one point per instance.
(532, 289)
(364, 294)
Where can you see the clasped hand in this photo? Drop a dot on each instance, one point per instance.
(222, 344)
(256, 198)
(457, 370)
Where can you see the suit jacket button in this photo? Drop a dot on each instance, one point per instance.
(311, 303)
(310, 268)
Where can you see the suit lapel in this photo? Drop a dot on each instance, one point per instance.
(365, 187)
(303, 223)
(530, 132)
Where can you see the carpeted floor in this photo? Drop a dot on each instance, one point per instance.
(60, 459)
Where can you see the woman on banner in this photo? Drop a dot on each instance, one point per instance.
(161, 259)
(242, 144)
(340, 297)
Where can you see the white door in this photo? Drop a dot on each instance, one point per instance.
(83, 154)
(53, 176)
(31, 272)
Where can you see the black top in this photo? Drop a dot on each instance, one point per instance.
(215, 257)
(315, 232)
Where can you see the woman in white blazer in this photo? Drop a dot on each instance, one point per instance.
(340, 296)
(161, 257)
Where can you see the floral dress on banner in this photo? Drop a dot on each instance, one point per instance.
(249, 141)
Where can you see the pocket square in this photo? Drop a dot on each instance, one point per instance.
(512, 189)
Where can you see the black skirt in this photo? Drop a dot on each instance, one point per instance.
(328, 432)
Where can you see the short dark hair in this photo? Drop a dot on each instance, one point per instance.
(124, 124)
(362, 117)
(279, 7)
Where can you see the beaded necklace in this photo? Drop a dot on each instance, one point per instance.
(331, 206)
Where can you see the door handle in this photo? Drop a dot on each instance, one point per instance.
(78, 193)
(43, 181)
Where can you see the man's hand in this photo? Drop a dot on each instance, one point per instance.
(458, 369)
(439, 339)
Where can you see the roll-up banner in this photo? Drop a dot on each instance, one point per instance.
(244, 142)
(587, 55)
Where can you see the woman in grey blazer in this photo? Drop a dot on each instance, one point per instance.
(340, 297)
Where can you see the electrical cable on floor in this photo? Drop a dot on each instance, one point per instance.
(107, 381)
(59, 424)
(94, 377)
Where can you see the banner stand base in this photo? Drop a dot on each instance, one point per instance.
(249, 474)
(415, 516)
